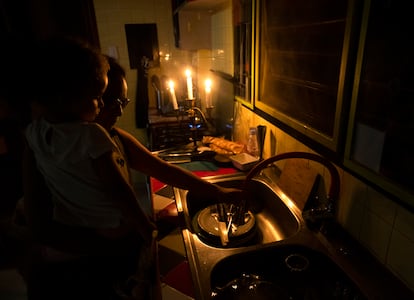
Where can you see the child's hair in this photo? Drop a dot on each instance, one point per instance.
(68, 70)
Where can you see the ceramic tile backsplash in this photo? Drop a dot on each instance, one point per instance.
(351, 206)
(375, 234)
(381, 206)
(400, 257)
(404, 223)
(377, 223)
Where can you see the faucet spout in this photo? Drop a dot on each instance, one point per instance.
(334, 187)
(323, 212)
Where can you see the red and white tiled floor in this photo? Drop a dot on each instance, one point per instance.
(174, 271)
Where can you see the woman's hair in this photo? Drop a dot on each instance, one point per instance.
(68, 70)
(116, 76)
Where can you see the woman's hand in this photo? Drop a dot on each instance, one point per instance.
(231, 195)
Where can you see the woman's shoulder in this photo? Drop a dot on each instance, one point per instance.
(122, 133)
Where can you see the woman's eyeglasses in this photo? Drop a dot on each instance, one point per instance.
(123, 102)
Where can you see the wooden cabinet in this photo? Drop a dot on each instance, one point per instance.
(380, 143)
(302, 65)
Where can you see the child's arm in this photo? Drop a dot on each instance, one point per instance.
(109, 170)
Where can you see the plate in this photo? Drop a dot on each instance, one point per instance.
(210, 225)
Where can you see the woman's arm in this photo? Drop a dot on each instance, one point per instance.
(141, 159)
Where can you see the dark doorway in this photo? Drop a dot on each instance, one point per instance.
(143, 52)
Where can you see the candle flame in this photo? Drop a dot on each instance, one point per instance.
(208, 85)
(187, 72)
(171, 84)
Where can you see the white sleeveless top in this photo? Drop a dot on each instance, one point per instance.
(64, 154)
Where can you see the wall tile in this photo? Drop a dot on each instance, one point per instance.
(404, 223)
(401, 259)
(375, 234)
(351, 205)
(380, 205)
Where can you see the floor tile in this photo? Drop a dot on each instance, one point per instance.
(169, 293)
(174, 241)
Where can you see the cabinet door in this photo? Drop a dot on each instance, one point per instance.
(302, 65)
(380, 143)
(243, 20)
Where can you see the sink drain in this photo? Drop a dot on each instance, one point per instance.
(297, 262)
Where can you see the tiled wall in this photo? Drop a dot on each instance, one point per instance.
(382, 226)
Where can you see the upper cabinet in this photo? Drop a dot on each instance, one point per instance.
(302, 65)
(192, 22)
(243, 20)
(380, 142)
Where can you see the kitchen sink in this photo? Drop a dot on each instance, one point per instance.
(286, 258)
(281, 272)
(274, 220)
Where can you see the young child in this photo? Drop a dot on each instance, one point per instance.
(79, 161)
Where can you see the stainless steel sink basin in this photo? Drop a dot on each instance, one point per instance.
(279, 223)
(274, 220)
(281, 272)
(277, 219)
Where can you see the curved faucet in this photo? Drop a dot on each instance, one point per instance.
(333, 193)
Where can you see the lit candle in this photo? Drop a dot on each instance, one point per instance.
(208, 93)
(173, 97)
(189, 84)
